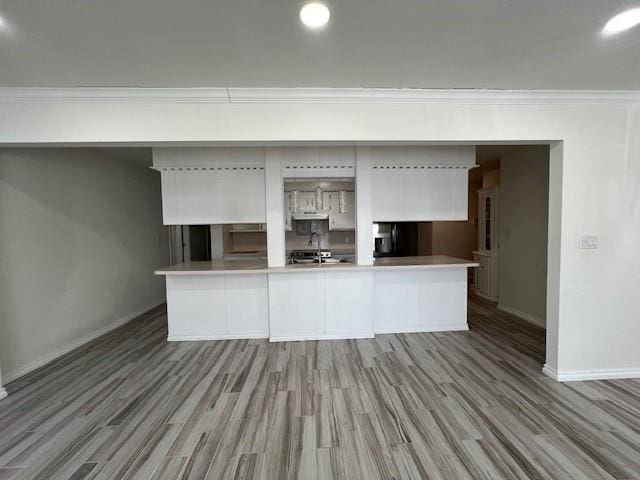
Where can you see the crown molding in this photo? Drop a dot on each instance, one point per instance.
(417, 95)
(115, 95)
(313, 95)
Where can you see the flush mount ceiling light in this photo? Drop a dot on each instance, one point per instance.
(315, 15)
(623, 21)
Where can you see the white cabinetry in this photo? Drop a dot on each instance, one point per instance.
(321, 304)
(314, 162)
(296, 306)
(212, 307)
(240, 195)
(306, 202)
(348, 304)
(211, 185)
(345, 220)
(387, 194)
(420, 183)
(420, 300)
(409, 193)
(208, 196)
(486, 275)
(287, 211)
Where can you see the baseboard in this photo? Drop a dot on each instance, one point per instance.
(424, 329)
(486, 297)
(225, 336)
(302, 338)
(42, 361)
(584, 375)
(550, 372)
(538, 322)
(3, 393)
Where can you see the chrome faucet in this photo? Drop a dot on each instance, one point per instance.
(316, 234)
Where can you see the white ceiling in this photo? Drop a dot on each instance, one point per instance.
(504, 44)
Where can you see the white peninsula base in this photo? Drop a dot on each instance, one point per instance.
(234, 300)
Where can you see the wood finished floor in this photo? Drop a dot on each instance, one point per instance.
(456, 405)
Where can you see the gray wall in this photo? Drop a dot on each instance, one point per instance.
(522, 222)
(79, 234)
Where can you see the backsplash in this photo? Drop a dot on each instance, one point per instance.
(342, 240)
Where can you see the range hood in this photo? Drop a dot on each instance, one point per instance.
(310, 216)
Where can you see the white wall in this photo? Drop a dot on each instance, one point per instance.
(592, 304)
(522, 223)
(77, 249)
(3, 392)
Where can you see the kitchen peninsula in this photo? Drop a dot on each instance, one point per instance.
(348, 299)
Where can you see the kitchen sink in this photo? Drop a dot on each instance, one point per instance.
(315, 260)
(311, 257)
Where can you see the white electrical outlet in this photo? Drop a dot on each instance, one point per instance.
(589, 242)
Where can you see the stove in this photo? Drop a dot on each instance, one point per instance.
(309, 256)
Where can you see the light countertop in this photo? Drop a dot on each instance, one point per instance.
(215, 267)
(260, 266)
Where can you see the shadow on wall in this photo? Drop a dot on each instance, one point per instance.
(79, 234)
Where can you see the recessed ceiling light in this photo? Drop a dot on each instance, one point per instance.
(315, 15)
(623, 21)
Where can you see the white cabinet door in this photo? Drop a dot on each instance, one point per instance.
(196, 306)
(296, 306)
(170, 208)
(346, 220)
(348, 304)
(484, 276)
(387, 194)
(196, 195)
(414, 193)
(460, 194)
(326, 202)
(420, 300)
(431, 195)
(442, 299)
(306, 202)
(395, 301)
(287, 211)
(247, 306)
(241, 195)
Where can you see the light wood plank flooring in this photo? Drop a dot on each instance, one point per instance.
(458, 405)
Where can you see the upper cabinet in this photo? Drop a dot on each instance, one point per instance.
(342, 211)
(240, 193)
(207, 186)
(287, 211)
(421, 183)
(487, 219)
(314, 162)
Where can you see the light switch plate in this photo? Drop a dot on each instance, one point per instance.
(589, 242)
